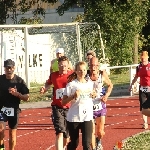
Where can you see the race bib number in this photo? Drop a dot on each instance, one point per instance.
(97, 107)
(8, 111)
(145, 89)
(59, 93)
(82, 110)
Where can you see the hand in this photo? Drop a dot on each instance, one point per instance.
(130, 88)
(104, 98)
(13, 91)
(1, 126)
(77, 94)
(93, 94)
(42, 90)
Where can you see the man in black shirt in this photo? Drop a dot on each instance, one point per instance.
(12, 90)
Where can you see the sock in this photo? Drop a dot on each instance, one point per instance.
(2, 147)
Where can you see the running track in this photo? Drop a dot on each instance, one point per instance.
(36, 132)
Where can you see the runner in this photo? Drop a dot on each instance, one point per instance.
(59, 80)
(12, 90)
(99, 108)
(143, 72)
(54, 62)
(80, 114)
(89, 55)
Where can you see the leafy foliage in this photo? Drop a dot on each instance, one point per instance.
(120, 22)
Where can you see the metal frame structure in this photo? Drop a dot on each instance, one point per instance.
(26, 34)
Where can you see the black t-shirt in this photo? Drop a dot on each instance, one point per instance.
(7, 99)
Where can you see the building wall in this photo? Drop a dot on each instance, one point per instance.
(51, 16)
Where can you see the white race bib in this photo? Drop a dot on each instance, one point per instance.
(8, 111)
(145, 89)
(82, 110)
(59, 93)
(97, 105)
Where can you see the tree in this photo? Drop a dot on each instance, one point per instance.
(10, 8)
(120, 22)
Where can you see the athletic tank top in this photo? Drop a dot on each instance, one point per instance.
(144, 74)
(98, 87)
(55, 65)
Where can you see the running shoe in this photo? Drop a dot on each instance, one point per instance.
(98, 144)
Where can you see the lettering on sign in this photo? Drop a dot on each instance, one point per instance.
(35, 60)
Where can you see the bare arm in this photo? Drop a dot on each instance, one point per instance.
(108, 82)
(46, 86)
(14, 92)
(134, 80)
(24, 97)
(67, 99)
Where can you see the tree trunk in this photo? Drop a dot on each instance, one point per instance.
(135, 50)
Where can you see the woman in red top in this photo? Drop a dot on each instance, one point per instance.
(143, 72)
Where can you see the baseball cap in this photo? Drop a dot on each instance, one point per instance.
(59, 50)
(9, 63)
(144, 54)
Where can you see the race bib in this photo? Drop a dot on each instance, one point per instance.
(59, 93)
(145, 89)
(97, 105)
(8, 111)
(82, 110)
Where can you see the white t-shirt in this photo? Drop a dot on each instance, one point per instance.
(81, 109)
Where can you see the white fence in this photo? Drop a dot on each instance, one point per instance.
(124, 88)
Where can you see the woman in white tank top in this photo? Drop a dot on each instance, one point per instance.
(78, 93)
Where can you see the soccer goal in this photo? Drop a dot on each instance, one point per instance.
(32, 47)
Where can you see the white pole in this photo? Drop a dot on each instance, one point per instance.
(102, 45)
(79, 42)
(131, 78)
(27, 75)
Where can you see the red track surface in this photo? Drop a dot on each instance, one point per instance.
(36, 132)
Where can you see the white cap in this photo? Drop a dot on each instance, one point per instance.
(59, 50)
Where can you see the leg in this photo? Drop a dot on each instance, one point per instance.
(59, 141)
(93, 136)
(2, 129)
(66, 134)
(13, 124)
(3, 119)
(74, 135)
(86, 129)
(100, 121)
(12, 139)
(142, 98)
(59, 125)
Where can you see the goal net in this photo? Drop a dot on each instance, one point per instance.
(33, 47)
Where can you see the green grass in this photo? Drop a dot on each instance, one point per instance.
(138, 142)
(120, 79)
(35, 95)
(117, 80)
